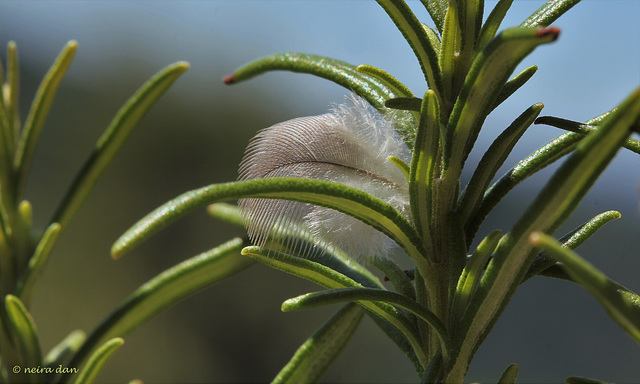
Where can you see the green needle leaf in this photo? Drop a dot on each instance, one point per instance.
(549, 12)
(387, 79)
(514, 84)
(584, 129)
(337, 71)
(12, 91)
(23, 331)
(571, 241)
(491, 26)
(166, 289)
(423, 166)
(486, 78)
(492, 160)
(471, 274)
(313, 357)
(329, 278)
(38, 113)
(418, 39)
(351, 201)
(37, 262)
(113, 139)
(533, 163)
(583, 380)
(554, 203)
(333, 296)
(97, 360)
(621, 304)
(509, 375)
(65, 349)
(228, 213)
(437, 10)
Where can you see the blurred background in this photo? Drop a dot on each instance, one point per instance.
(196, 134)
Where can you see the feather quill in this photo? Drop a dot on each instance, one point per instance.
(350, 145)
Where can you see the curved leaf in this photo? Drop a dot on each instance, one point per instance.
(571, 241)
(97, 360)
(165, 290)
(620, 303)
(573, 126)
(23, 331)
(351, 201)
(549, 12)
(38, 113)
(337, 71)
(514, 84)
(329, 278)
(437, 10)
(554, 203)
(317, 353)
(492, 24)
(487, 76)
(492, 160)
(333, 296)
(509, 375)
(113, 138)
(62, 352)
(418, 39)
(37, 262)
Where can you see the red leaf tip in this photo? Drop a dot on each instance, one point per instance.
(229, 79)
(555, 32)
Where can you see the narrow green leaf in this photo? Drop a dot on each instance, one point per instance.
(60, 354)
(469, 22)
(533, 163)
(397, 276)
(337, 71)
(423, 167)
(514, 84)
(583, 380)
(32, 273)
(331, 279)
(549, 12)
(584, 129)
(492, 160)
(486, 78)
(113, 139)
(449, 48)
(554, 203)
(375, 91)
(621, 304)
(12, 92)
(313, 357)
(164, 290)
(23, 331)
(361, 295)
(228, 213)
(471, 275)
(351, 201)
(418, 39)
(97, 360)
(393, 84)
(38, 113)
(492, 24)
(571, 241)
(22, 233)
(405, 103)
(437, 10)
(433, 370)
(509, 375)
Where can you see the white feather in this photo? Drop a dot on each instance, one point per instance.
(349, 145)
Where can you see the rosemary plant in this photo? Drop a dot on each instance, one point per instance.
(338, 199)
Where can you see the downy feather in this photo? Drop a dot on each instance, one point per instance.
(349, 145)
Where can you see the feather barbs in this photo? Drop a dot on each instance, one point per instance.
(349, 145)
